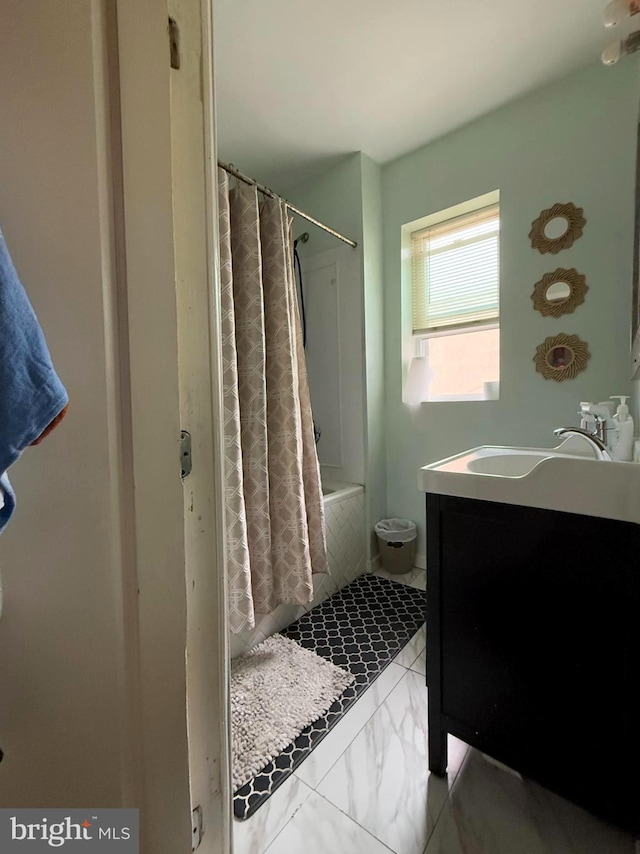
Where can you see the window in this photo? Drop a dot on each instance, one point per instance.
(455, 275)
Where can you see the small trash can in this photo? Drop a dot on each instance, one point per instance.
(397, 544)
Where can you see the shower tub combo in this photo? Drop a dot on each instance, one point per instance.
(346, 553)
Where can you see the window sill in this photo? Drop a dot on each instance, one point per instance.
(455, 398)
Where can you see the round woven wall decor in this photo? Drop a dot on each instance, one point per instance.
(550, 306)
(561, 357)
(575, 223)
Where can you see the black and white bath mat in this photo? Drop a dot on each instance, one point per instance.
(361, 628)
(277, 689)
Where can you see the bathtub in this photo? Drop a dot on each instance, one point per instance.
(346, 556)
(345, 524)
(335, 490)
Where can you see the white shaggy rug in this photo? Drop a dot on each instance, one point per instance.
(277, 689)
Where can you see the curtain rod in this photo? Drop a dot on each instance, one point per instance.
(261, 188)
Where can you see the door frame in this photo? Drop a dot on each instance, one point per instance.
(195, 226)
(152, 519)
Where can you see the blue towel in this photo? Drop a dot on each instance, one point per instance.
(31, 395)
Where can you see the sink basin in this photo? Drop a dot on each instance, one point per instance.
(568, 478)
(515, 464)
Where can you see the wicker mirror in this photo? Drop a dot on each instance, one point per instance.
(561, 357)
(557, 228)
(560, 292)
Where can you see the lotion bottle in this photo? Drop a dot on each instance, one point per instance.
(623, 447)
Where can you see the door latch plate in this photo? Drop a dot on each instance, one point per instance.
(185, 453)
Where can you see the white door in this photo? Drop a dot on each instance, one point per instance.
(335, 363)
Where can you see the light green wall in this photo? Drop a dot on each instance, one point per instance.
(376, 495)
(570, 141)
(348, 197)
(336, 199)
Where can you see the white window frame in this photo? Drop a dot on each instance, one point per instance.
(416, 345)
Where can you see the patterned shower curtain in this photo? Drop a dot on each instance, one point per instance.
(273, 497)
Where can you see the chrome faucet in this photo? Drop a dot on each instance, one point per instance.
(600, 425)
(595, 443)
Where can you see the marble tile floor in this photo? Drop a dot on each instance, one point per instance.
(366, 789)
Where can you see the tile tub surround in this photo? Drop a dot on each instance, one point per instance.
(345, 518)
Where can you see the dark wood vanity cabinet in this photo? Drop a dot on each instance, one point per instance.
(533, 647)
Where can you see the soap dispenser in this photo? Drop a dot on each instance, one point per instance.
(623, 446)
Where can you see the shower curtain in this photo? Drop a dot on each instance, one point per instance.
(273, 498)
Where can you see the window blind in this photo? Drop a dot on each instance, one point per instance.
(456, 272)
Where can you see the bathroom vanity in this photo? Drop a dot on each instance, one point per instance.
(533, 652)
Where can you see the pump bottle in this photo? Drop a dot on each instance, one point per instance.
(622, 449)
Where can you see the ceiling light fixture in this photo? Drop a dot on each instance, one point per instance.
(617, 11)
(621, 47)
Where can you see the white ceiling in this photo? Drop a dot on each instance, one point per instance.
(301, 83)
